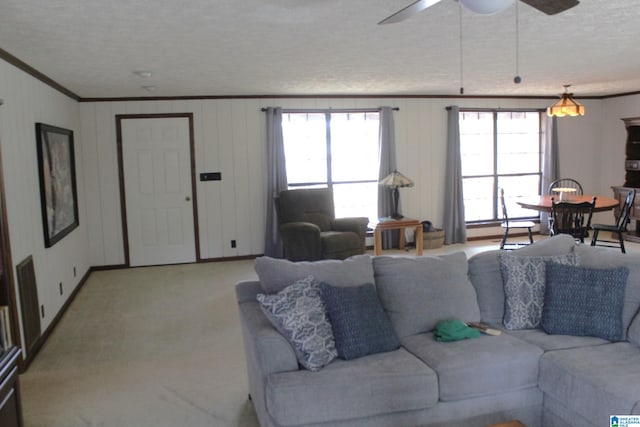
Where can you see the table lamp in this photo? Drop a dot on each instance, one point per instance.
(396, 180)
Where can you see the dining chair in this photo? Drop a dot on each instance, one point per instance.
(508, 225)
(618, 228)
(566, 183)
(571, 218)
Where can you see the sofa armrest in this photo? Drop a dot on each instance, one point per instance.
(301, 241)
(266, 352)
(357, 225)
(266, 348)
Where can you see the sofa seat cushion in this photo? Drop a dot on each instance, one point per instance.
(479, 367)
(547, 342)
(372, 385)
(596, 381)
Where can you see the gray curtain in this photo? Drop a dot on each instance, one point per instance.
(455, 230)
(276, 180)
(387, 156)
(550, 162)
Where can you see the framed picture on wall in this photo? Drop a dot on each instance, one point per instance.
(58, 196)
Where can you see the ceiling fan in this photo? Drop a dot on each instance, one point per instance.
(485, 7)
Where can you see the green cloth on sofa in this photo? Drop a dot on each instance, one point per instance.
(454, 330)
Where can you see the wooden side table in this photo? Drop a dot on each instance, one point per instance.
(514, 423)
(396, 224)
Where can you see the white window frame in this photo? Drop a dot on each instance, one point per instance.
(495, 176)
(330, 181)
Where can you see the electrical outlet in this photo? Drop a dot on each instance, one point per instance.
(60, 288)
(233, 243)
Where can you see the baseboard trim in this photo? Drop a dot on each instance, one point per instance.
(24, 363)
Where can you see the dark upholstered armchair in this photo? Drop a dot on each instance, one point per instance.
(310, 231)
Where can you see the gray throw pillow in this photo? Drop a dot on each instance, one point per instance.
(360, 325)
(524, 284)
(584, 301)
(418, 292)
(300, 315)
(276, 274)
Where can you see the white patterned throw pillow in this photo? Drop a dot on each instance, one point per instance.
(524, 280)
(299, 314)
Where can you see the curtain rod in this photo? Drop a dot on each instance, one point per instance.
(332, 110)
(473, 110)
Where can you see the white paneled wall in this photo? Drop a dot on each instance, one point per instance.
(229, 138)
(27, 101)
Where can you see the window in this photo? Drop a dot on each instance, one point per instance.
(499, 149)
(337, 150)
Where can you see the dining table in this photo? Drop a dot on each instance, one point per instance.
(543, 203)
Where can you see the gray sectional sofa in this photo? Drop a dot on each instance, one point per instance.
(542, 379)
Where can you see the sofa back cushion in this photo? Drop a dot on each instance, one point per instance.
(276, 274)
(485, 275)
(418, 292)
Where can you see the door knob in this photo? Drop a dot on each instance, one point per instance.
(187, 198)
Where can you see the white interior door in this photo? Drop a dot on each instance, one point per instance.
(157, 181)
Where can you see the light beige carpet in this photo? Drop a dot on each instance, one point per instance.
(154, 346)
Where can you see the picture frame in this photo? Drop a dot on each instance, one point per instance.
(57, 171)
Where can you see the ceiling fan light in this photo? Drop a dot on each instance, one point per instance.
(486, 7)
(566, 106)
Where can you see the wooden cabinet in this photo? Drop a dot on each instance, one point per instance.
(632, 177)
(632, 152)
(10, 406)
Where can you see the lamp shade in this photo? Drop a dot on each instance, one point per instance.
(486, 7)
(396, 180)
(566, 106)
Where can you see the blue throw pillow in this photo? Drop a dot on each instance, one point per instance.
(584, 301)
(360, 325)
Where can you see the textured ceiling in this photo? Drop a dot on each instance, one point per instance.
(321, 47)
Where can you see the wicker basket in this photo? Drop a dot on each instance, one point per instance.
(433, 239)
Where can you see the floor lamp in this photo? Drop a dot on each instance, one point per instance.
(394, 181)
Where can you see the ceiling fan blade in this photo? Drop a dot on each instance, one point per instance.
(409, 11)
(551, 7)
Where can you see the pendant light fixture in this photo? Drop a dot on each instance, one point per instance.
(566, 106)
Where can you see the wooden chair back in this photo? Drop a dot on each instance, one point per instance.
(572, 218)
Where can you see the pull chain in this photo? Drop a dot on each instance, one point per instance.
(461, 60)
(517, 79)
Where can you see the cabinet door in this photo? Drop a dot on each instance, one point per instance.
(10, 409)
